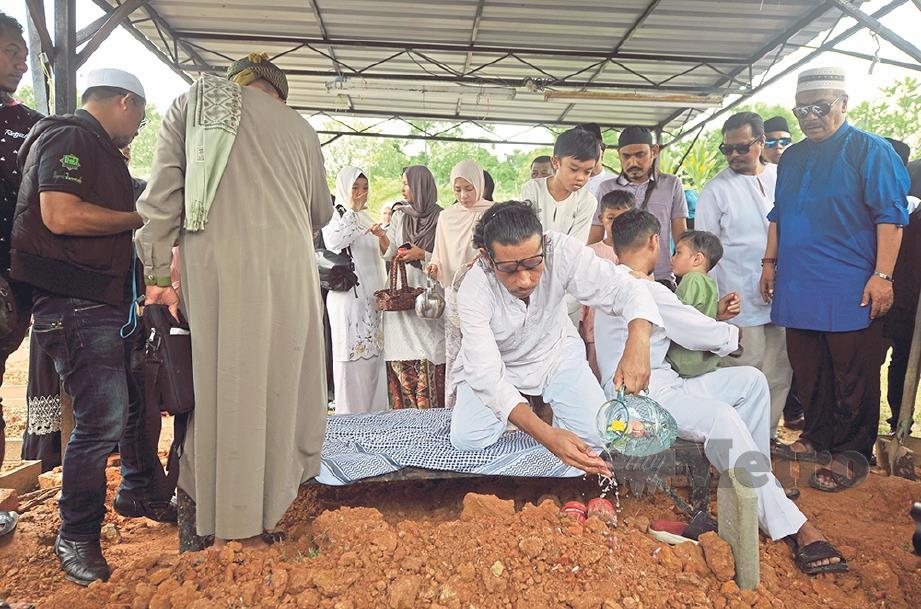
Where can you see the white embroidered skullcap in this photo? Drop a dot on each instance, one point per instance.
(820, 78)
(113, 77)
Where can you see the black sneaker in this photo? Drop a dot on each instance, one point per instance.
(82, 561)
(160, 511)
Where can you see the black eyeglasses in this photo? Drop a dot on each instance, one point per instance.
(739, 148)
(820, 109)
(512, 266)
(780, 141)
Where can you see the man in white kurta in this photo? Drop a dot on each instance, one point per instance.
(726, 409)
(517, 345)
(251, 293)
(734, 207)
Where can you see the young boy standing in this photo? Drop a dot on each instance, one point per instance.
(563, 203)
(612, 205)
(696, 252)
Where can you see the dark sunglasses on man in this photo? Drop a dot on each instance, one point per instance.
(820, 109)
(780, 141)
(512, 266)
(739, 148)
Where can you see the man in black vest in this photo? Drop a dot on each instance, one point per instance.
(15, 121)
(72, 242)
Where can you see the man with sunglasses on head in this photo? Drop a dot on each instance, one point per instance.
(517, 342)
(734, 207)
(71, 242)
(834, 235)
(776, 139)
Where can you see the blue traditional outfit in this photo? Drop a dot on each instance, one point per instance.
(830, 197)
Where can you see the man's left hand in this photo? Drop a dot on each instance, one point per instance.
(877, 293)
(634, 367)
(163, 296)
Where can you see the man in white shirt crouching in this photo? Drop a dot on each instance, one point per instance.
(726, 409)
(518, 342)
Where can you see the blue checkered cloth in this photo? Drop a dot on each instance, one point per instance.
(368, 445)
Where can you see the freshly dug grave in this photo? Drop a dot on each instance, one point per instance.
(476, 543)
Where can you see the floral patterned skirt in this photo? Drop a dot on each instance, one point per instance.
(415, 384)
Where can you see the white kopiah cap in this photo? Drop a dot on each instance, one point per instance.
(820, 78)
(113, 77)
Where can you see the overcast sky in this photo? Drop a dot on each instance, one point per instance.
(121, 50)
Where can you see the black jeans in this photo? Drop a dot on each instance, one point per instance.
(143, 477)
(82, 337)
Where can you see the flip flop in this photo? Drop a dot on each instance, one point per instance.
(6, 605)
(8, 521)
(274, 536)
(814, 552)
(786, 452)
(841, 482)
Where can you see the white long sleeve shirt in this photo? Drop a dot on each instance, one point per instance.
(734, 207)
(572, 216)
(510, 348)
(680, 323)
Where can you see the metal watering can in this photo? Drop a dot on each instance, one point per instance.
(430, 304)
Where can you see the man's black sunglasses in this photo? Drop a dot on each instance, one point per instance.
(739, 148)
(511, 266)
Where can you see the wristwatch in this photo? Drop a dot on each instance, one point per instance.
(883, 276)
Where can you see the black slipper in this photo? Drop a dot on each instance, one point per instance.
(814, 552)
(786, 452)
(840, 482)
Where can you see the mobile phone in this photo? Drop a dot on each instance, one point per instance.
(406, 246)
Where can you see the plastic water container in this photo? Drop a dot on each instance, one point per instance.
(636, 426)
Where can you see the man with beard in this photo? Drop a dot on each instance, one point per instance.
(734, 207)
(15, 121)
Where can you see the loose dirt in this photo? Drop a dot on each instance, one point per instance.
(475, 543)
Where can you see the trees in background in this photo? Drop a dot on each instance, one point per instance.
(897, 114)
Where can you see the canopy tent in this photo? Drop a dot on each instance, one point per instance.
(656, 63)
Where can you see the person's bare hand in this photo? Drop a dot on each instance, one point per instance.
(634, 368)
(728, 306)
(878, 294)
(377, 230)
(766, 283)
(413, 254)
(573, 451)
(163, 296)
(432, 270)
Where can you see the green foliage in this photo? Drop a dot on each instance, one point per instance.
(897, 114)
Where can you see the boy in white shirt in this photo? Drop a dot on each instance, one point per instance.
(562, 201)
(726, 409)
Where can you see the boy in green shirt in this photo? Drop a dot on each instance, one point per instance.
(696, 252)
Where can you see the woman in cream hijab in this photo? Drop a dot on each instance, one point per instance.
(454, 252)
(355, 322)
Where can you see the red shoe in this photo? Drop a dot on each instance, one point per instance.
(575, 510)
(603, 509)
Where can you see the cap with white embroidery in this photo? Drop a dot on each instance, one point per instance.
(113, 77)
(820, 78)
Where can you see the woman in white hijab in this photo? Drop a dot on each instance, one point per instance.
(454, 252)
(357, 337)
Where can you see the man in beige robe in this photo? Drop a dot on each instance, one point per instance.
(251, 294)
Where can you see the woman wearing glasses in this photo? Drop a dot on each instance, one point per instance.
(413, 347)
(517, 341)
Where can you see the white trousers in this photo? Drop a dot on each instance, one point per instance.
(360, 386)
(765, 348)
(571, 390)
(727, 410)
